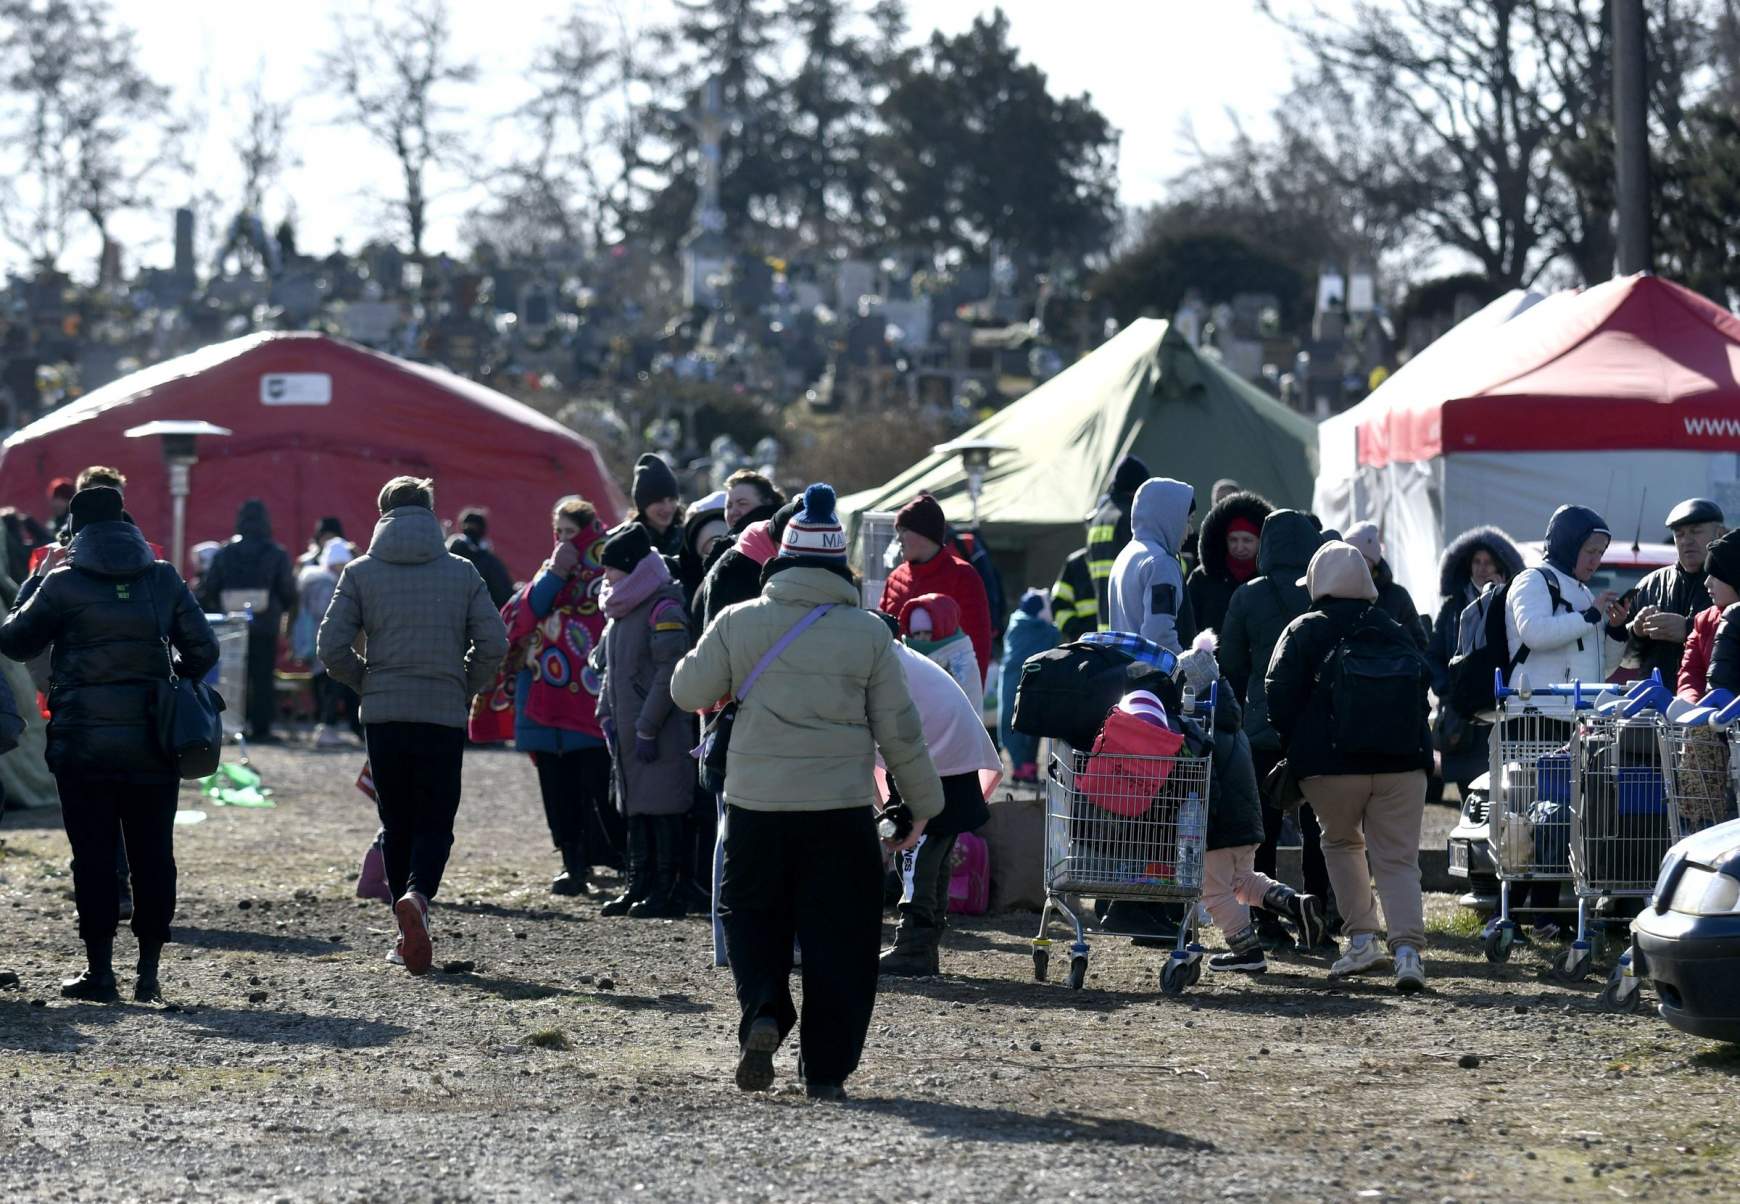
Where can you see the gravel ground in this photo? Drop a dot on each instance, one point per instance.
(580, 1058)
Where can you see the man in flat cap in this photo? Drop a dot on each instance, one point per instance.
(1666, 599)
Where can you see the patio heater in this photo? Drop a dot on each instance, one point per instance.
(975, 455)
(178, 438)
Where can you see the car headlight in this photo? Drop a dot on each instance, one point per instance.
(1703, 892)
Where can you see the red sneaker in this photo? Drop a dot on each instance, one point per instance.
(412, 912)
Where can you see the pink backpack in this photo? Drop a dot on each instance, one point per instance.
(970, 876)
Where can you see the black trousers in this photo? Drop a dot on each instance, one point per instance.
(576, 790)
(416, 768)
(334, 702)
(262, 671)
(99, 813)
(929, 905)
(1316, 872)
(816, 876)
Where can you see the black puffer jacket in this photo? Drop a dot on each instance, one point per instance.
(734, 576)
(1398, 604)
(1456, 587)
(1235, 808)
(251, 561)
(1725, 658)
(97, 612)
(1260, 610)
(1305, 721)
(1210, 587)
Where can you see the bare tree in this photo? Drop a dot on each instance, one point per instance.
(394, 76)
(83, 129)
(260, 145)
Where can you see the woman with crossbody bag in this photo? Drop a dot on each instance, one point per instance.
(800, 834)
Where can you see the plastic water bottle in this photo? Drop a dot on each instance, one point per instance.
(1189, 702)
(1192, 832)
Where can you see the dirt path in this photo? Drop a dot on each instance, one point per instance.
(294, 1064)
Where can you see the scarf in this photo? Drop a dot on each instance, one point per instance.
(1241, 571)
(648, 576)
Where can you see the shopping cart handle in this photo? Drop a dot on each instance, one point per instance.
(1727, 714)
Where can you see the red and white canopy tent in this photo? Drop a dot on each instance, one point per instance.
(319, 425)
(1624, 397)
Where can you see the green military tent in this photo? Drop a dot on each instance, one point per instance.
(1147, 392)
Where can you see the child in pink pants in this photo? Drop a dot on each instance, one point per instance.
(1231, 885)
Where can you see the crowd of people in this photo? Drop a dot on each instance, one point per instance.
(716, 717)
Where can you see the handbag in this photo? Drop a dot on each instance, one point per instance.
(716, 742)
(189, 714)
(1282, 789)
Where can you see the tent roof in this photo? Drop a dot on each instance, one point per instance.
(319, 425)
(1145, 392)
(1636, 363)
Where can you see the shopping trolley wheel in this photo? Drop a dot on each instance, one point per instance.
(1574, 966)
(1622, 993)
(1193, 972)
(1041, 964)
(1500, 939)
(1077, 971)
(1175, 976)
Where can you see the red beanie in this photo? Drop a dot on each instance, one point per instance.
(924, 516)
(1245, 525)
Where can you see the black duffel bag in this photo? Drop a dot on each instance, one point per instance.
(1065, 693)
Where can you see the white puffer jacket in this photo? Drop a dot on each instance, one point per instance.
(1563, 645)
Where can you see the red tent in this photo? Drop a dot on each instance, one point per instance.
(319, 425)
(1624, 397)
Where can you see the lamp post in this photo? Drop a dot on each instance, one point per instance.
(178, 454)
(975, 457)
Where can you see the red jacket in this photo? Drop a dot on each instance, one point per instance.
(1700, 644)
(945, 573)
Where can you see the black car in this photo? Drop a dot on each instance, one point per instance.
(1687, 941)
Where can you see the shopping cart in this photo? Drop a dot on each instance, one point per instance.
(230, 678)
(1114, 838)
(1620, 827)
(1698, 773)
(1529, 816)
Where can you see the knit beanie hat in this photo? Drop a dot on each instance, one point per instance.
(1144, 705)
(98, 504)
(1243, 525)
(923, 515)
(627, 548)
(653, 481)
(815, 529)
(1365, 537)
(1198, 665)
(1033, 602)
(1722, 561)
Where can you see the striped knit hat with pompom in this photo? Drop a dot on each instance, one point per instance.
(815, 531)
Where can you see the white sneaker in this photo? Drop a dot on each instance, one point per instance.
(325, 737)
(1364, 952)
(395, 956)
(1410, 974)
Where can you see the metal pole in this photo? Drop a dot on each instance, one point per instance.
(1631, 136)
(178, 510)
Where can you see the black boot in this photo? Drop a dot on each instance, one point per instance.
(663, 902)
(639, 869)
(1306, 912)
(914, 954)
(146, 988)
(96, 983)
(575, 875)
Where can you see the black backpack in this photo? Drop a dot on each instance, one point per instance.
(1482, 648)
(1374, 679)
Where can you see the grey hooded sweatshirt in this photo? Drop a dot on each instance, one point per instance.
(432, 638)
(1147, 579)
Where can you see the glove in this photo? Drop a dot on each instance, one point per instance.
(1592, 615)
(565, 559)
(646, 749)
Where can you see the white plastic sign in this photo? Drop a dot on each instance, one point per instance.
(296, 389)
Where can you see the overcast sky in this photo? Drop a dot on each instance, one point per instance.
(1151, 65)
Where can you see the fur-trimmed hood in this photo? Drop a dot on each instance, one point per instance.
(1453, 574)
(1211, 543)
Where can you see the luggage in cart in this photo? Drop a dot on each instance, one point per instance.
(1529, 817)
(1120, 826)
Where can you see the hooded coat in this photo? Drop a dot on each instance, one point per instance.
(946, 645)
(433, 637)
(691, 565)
(1456, 588)
(1260, 610)
(1109, 529)
(946, 573)
(1147, 588)
(1211, 586)
(496, 577)
(1235, 805)
(1344, 597)
(735, 575)
(106, 611)
(251, 562)
(1567, 641)
(1027, 635)
(637, 655)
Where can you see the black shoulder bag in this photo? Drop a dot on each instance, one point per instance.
(188, 714)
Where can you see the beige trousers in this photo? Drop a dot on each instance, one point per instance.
(1231, 886)
(1376, 816)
